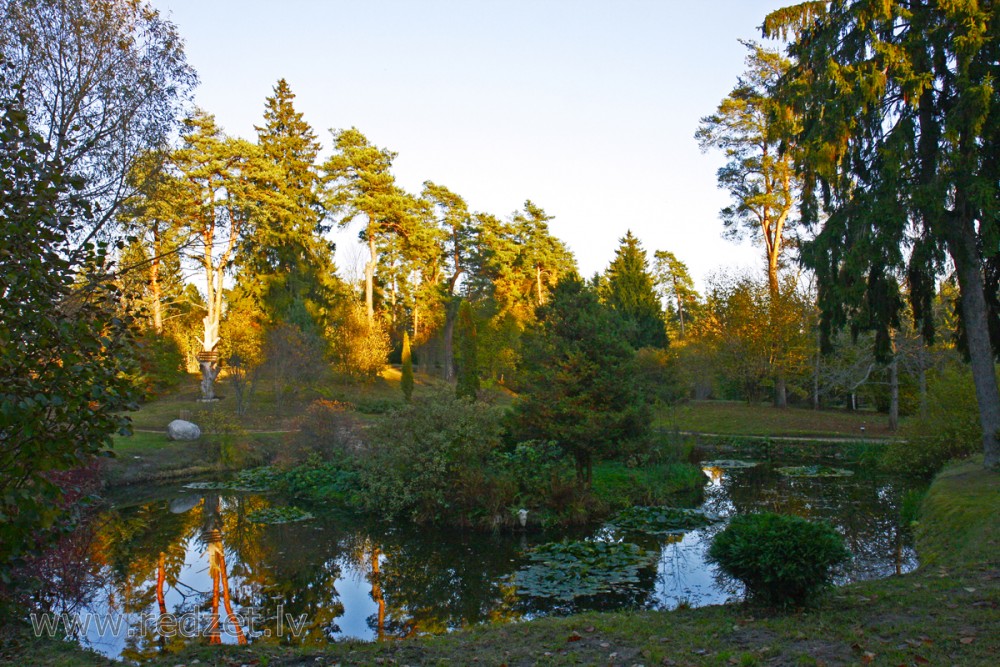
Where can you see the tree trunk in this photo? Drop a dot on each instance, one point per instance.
(370, 280)
(155, 292)
(780, 392)
(538, 283)
(449, 338)
(894, 394)
(964, 252)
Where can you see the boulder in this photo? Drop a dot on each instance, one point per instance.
(179, 429)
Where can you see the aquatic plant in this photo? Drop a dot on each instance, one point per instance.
(660, 520)
(287, 514)
(568, 570)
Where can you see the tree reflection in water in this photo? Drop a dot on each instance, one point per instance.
(350, 578)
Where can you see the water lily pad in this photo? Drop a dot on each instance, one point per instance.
(568, 570)
(728, 464)
(814, 471)
(255, 480)
(272, 515)
(660, 521)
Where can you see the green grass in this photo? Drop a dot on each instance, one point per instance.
(947, 613)
(738, 418)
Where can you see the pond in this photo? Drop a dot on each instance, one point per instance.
(191, 562)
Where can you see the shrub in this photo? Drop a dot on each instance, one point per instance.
(428, 460)
(328, 429)
(949, 430)
(780, 559)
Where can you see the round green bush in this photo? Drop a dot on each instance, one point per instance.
(780, 559)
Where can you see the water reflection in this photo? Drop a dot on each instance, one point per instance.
(196, 559)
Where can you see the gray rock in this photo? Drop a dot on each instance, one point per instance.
(179, 429)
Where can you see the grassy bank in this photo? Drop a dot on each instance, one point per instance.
(739, 418)
(947, 612)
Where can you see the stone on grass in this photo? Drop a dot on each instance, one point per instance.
(179, 429)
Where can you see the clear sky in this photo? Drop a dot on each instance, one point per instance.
(589, 109)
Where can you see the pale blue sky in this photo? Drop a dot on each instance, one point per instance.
(587, 108)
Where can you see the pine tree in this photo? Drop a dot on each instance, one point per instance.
(628, 289)
(468, 366)
(406, 383)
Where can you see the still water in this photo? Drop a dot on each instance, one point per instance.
(180, 563)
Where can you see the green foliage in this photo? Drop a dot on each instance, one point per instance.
(628, 290)
(660, 521)
(468, 357)
(565, 571)
(406, 382)
(616, 485)
(950, 428)
(674, 286)
(781, 559)
(65, 353)
(580, 386)
(321, 482)
(428, 458)
(160, 364)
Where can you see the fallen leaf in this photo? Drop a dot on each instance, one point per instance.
(867, 657)
(921, 659)
(575, 637)
(970, 589)
(589, 628)
(967, 640)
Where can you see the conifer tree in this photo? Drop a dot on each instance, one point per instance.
(406, 382)
(628, 289)
(285, 262)
(360, 184)
(898, 147)
(674, 284)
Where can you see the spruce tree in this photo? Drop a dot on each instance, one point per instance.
(285, 261)
(406, 383)
(629, 291)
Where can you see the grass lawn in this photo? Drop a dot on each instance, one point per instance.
(739, 418)
(945, 613)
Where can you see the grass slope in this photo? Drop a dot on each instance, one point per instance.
(737, 418)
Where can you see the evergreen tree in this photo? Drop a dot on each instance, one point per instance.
(580, 386)
(675, 287)
(468, 363)
(360, 184)
(628, 289)
(899, 148)
(285, 262)
(406, 382)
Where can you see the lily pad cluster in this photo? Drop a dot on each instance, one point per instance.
(255, 480)
(287, 514)
(568, 570)
(814, 471)
(659, 521)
